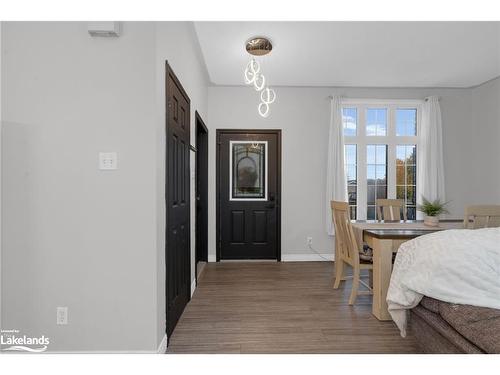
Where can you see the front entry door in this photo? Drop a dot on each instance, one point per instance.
(177, 246)
(249, 185)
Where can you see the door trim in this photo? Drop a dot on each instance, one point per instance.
(200, 124)
(219, 132)
(170, 73)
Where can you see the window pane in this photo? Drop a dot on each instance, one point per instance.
(410, 195)
(381, 155)
(400, 175)
(400, 154)
(381, 191)
(353, 212)
(370, 213)
(248, 170)
(370, 154)
(350, 153)
(376, 173)
(351, 191)
(411, 175)
(406, 177)
(400, 192)
(376, 121)
(370, 174)
(411, 213)
(350, 121)
(381, 174)
(351, 174)
(411, 154)
(406, 122)
(370, 198)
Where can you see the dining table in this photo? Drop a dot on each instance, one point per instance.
(385, 237)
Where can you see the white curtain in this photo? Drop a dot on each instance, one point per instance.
(336, 186)
(430, 175)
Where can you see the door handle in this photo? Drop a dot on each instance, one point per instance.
(272, 205)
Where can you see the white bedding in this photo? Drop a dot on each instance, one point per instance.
(459, 266)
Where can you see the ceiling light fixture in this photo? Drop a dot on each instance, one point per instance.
(259, 46)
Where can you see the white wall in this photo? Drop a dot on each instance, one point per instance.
(73, 235)
(94, 241)
(77, 236)
(486, 138)
(303, 115)
(1, 54)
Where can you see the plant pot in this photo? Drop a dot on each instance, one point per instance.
(431, 221)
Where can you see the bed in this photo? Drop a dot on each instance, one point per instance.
(445, 288)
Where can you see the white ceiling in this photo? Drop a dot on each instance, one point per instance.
(359, 54)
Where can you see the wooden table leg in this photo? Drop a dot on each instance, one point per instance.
(339, 269)
(382, 267)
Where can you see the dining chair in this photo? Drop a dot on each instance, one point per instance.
(486, 216)
(348, 250)
(390, 209)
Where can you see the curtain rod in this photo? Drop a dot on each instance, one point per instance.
(347, 99)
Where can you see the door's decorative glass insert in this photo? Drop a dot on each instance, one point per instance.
(376, 121)
(376, 177)
(350, 121)
(406, 122)
(351, 163)
(248, 170)
(406, 178)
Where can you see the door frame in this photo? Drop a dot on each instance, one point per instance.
(170, 72)
(200, 125)
(219, 132)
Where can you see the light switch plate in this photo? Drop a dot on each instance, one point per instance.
(108, 161)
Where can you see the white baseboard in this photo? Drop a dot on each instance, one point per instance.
(162, 349)
(307, 257)
(193, 287)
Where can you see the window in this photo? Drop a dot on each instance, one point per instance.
(248, 166)
(380, 154)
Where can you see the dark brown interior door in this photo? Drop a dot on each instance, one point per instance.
(201, 190)
(249, 185)
(177, 247)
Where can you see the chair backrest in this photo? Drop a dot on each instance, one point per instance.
(482, 217)
(390, 209)
(347, 247)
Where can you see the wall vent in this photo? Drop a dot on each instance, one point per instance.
(104, 29)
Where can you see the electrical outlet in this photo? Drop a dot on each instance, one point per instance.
(309, 240)
(62, 315)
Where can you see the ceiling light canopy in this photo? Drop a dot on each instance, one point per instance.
(257, 47)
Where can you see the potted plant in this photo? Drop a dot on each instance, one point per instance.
(432, 210)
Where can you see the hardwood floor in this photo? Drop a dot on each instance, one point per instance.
(287, 307)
